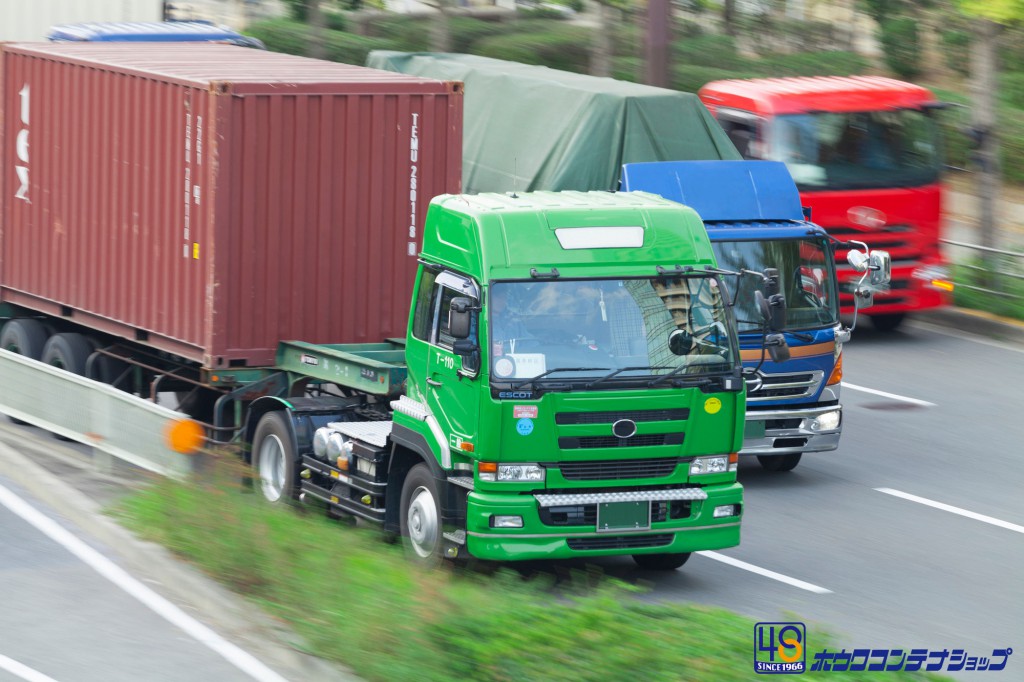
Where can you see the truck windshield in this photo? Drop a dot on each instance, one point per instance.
(606, 332)
(857, 150)
(806, 275)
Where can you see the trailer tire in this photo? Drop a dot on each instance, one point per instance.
(421, 517)
(661, 562)
(779, 463)
(274, 460)
(24, 337)
(68, 352)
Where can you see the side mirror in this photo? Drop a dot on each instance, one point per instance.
(778, 349)
(680, 342)
(459, 319)
(863, 297)
(880, 267)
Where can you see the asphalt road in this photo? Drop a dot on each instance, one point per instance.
(911, 535)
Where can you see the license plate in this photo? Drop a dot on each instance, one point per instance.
(753, 429)
(620, 516)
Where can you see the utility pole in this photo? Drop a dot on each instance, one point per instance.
(659, 16)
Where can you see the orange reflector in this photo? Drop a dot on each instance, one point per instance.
(466, 447)
(184, 436)
(942, 284)
(734, 458)
(343, 463)
(487, 467)
(837, 373)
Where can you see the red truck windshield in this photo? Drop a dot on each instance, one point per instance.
(857, 150)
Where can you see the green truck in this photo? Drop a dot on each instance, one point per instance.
(570, 386)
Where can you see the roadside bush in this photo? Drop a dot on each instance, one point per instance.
(466, 32)
(411, 33)
(708, 50)
(901, 47)
(690, 78)
(566, 48)
(281, 35)
(956, 48)
(292, 37)
(352, 49)
(829, 63)
(1011, 89)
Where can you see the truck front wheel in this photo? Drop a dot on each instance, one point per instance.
(421, 516)
(273, 458)
(660, 562)
(779, 462)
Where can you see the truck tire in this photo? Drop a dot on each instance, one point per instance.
(421, 516)
(779, 462)
(660, 562)
(68, 352)
(24, 337)
(888, 322)
(274, 460)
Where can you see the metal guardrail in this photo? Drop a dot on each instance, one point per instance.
(1009, 255)
(111, 421)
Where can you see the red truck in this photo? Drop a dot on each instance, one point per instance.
(865, 153)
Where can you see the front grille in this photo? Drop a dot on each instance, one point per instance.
(621, 541)
(783, 423)
(680, 414)
(648, 440)
(780, 386)
(586, 514)
(616, 469)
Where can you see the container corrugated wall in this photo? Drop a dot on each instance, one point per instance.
(211, 200)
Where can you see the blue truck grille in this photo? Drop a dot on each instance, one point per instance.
(785, 386)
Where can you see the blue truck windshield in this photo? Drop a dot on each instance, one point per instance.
(568, 330)
(857, 150)
(806, 273)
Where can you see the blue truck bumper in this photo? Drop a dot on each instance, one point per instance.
(779, 431)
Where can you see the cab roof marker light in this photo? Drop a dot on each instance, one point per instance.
(600, 237)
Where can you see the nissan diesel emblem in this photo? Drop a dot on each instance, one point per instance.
(624, 428)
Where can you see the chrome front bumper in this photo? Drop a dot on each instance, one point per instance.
(783, 432)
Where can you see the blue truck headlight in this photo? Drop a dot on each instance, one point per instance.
(826, 422)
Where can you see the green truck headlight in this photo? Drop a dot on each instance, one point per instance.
(506, 521)
(725, 510)
(719, 464)
(511, 473)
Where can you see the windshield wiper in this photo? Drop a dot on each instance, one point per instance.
(552, 371)
(696, 381)
(601, 380)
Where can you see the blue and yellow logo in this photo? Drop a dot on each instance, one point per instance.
(780, 648)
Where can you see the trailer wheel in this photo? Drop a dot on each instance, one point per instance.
(779, 463)
(274, 458)
(25, 337)
(661, 562)
(68, 352)
(421, 516)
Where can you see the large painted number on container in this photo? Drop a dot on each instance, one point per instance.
(21, 146)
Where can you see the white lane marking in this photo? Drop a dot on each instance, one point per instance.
(242, 660)
(765, 572)
(891, 396)
(954, 510)
(23, 671)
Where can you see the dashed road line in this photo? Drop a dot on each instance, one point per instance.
(891, 396)
(953, 510)
(810, 587)
(23, 671)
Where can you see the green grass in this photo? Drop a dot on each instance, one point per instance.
(355, 599)
(977, 281)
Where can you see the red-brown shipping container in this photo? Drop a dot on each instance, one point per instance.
(212, 200)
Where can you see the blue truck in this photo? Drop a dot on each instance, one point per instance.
(151, 32)
(753, 215)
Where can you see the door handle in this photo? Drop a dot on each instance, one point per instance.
(434, 382)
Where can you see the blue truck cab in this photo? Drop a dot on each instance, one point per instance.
(752, 212)
(151, 32)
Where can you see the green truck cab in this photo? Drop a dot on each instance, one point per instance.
(572, 387)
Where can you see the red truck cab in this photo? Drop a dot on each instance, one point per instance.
(866, 155)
